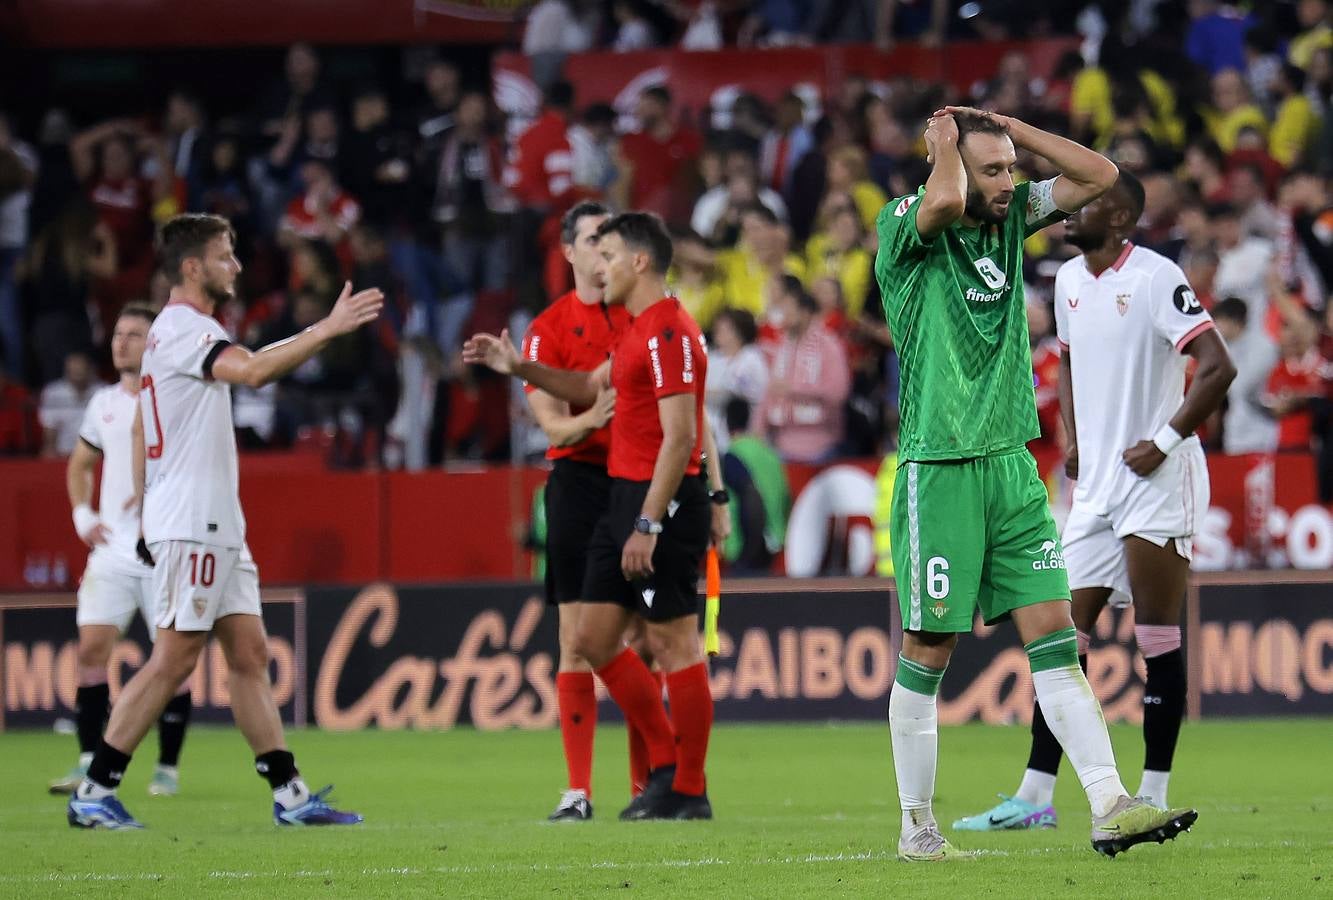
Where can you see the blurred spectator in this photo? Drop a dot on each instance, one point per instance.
(1205, 170)
(20, 432)
(539, 172)
(1216, 36)
(840, 253)
(810, 178)
(1263, 66)
(322, 212)
(1316, 32)
(184, 135)
(717, 213)
(657, 156)
(221, 186)
(376, 163)
(593, 142)
(1258, 217)
(1232, 109)
(64, 259)
(1201, 272)
(786, 143)
(693, 278)
(296, 94)
(848, 173)
(751, 273)
(539, 175)
(803, 407)
(633, 31)
(18, 173)
(736, 368)
(553, 28)
(1242, 262)
(841, 21)
(1247, 426)
(1304, 201)
(760, 495)
(436, 115)
(470, 199)
(63, 402)
(925, 20)
(1296, 126)
(105, 160)
(1296, 384)
(1161, 207)
(773, 23)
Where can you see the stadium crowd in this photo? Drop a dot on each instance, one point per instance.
(1223, 114)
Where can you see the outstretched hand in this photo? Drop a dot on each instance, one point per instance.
(496, 353)
(351, 311)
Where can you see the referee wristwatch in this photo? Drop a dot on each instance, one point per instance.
(645, 525)
(720, 496)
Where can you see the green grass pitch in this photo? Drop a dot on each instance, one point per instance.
(802, 811)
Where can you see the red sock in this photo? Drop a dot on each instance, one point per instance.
(692, 716)
(578, 724)
(638, 751)
(631, 685)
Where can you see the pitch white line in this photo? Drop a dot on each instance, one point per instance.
(605, 865)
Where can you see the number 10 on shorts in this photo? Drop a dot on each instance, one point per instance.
(204, 567)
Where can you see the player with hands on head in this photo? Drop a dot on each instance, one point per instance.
(968, 502)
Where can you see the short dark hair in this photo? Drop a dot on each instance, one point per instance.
(976, 123)
(560, 95)
(742, 320)
(642, 231)
(137, 311)
(793, 287)
(1130, 189)
(569, 222)
(737, 412)
(1222, 211)
(188, 235)
(599, 114)
(659, 92)
(1232, 308)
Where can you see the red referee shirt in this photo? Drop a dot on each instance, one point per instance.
(662, 353)
(571, 334)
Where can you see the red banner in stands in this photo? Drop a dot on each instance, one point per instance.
(308, 525)
(247, 23)
(699, 80)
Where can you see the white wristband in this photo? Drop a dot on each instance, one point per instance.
(85, 520)
(1167, 439)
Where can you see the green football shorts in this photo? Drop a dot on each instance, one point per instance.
(973, 533)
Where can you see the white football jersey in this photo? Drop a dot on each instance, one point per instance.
(192, 485)
(108, 425)
(1125, 331)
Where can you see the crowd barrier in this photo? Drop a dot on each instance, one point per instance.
(309, 525)
(434, 657)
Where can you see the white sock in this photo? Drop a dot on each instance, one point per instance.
(913, 720)
(1075, 718)
(91, 790)
(168, 770)
(1037, 787)
(1153, 787)
(85, 760)
(292, 794)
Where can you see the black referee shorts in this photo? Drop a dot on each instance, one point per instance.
(577, 494)
(672, 591)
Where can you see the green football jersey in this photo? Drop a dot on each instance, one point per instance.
(955, 307)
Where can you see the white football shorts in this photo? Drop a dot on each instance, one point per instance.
(197, 584)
